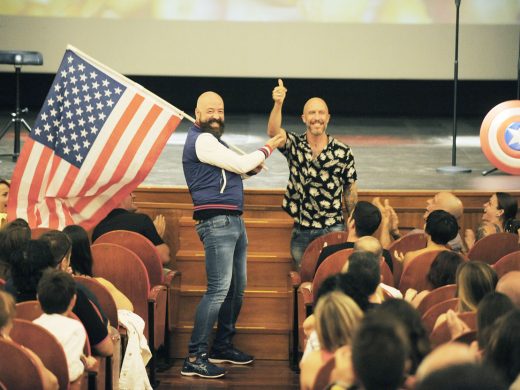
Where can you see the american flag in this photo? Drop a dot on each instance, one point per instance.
(95, 139)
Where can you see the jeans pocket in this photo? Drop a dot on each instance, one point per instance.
(220, 221)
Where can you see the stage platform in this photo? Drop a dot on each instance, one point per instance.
(392, 153)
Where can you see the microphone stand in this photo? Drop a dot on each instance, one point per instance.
(454, 168)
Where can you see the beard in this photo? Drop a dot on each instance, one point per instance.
(216, 131)
(316, 132)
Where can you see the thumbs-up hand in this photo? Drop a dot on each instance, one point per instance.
(279, 92)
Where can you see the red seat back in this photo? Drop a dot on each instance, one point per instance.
(430, 317)
(507, 263)
(415, 272)
(142, 247)
(311, 254)
(440, 294)
(493, 247)
(407, 243)
(330, 266)
(21, 372)
(28, 310)
(45, 345)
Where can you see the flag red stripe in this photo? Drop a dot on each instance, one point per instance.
(18, 173)
(36, 185)
(113, 140)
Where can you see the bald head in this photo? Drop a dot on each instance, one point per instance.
(209, 113)
(445, 201)
(369, 244)
(449, 354)
(315, 102)
(509, 284)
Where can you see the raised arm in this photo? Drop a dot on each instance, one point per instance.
(274, 126)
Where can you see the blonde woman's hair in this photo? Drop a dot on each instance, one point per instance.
(337, 318)
(474, 280)
(7, 309)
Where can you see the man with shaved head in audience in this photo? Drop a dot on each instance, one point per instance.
(443, 200)
(509, 284)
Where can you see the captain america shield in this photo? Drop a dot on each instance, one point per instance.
(500, 136)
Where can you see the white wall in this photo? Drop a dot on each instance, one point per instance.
(306, 50)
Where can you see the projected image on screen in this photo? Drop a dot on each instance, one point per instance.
(325, 11)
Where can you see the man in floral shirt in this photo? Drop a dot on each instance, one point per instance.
(321, 173)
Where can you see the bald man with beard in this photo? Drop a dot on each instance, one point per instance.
(321, 173)
(214, 175)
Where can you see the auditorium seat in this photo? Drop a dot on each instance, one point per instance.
(28, 310)
(430, 316)
(311, 254)
(407, 243)
(507, 263)
(440, 294)
(45, 346)
(333, 264)
(415, 272)
(441, 334)
(148, 254)
(127, 272)
(108, 305)
(491, 248)
(22, 371)
(386, 274)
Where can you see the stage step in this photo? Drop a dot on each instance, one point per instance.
(259, 307)
(263, 234)
(262, 342)
(264, 269)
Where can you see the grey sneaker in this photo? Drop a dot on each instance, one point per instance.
(202, 367)
(230, 355)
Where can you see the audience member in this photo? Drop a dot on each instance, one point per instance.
(493, 306)
(509, 284)
(441, 227)
(57, 297)
(441, 201)
(463, 377)
(503, 349)
(442, 272)
(446, 355)
(125, 217)
(4, 197)
(13, 236)
(474, 280)
(29, 264)
(410, 318)
(321, 173)
(372, 245)
(7, 315)
(363, 222)
(81, 264)
(337, 318)
(380, 352)
(499, 213)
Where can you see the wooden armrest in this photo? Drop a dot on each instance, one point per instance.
(295, 278)
(306, 291)
(170, 276)
(155, 292)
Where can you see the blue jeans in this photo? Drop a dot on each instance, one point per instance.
(225, 245)
(301, 238)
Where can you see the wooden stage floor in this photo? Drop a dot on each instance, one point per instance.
(391, 153)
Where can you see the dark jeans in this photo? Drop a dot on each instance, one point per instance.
(301, 238)
(225, 245)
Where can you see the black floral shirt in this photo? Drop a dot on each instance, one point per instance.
(315, 188)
